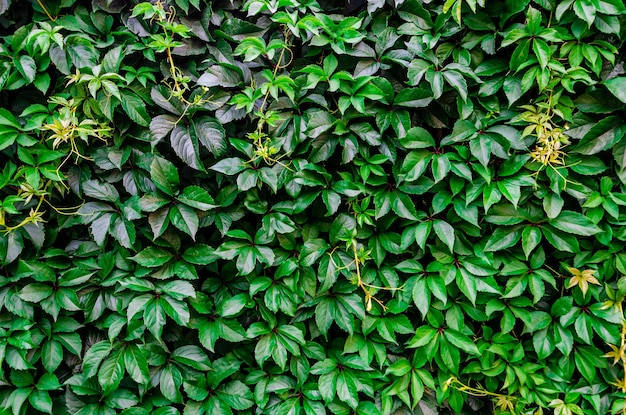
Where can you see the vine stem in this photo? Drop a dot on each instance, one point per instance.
(276, 68)
(27, 220)
(359, 280)
(53, 19)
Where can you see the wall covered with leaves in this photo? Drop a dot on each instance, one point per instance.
(310, 207)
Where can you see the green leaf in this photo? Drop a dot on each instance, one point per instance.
(192, 356)
(347, 388)
(197, 197)
(585, 364)
(552, 204)
(153, 257)
(121, 399)
(35, 292)
(617, 87)
(513, 89)
(423, 336)
(164, 175)
(461, 341)
(585, 10)
(445, 232)
(111, 371)
(176, 309)
(185, 219)
(457, 81)
(601, 136)
(421, 295)
(467, 284)
(417, 137)
(561, 240)
(135, 107)
(154, 317)
(27, 67)
(136, 364)
(200, 254)
(124, 232)
(52, 355)
(542, 51)
(402, 205)
(81, 51)
(440, 167)
(413, 97)
(48, 381)
(94, 356)
(236, 395)
(41, 401)
(531, 237)
(232, 306)
(161, 125)
(503, 238)
(324, 314)
(543, 344)
(415, 164)
(450, 355)
(185, 145)
(101, 191)
(170, 382)
(575, 223)
(210, 134)
(229, 166)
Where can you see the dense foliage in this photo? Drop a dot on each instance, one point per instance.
(292, 207)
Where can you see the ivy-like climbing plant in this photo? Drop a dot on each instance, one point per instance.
(287, 207)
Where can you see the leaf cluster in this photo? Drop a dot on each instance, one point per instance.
(292, 207)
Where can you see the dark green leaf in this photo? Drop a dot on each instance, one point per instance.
(575, 223)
